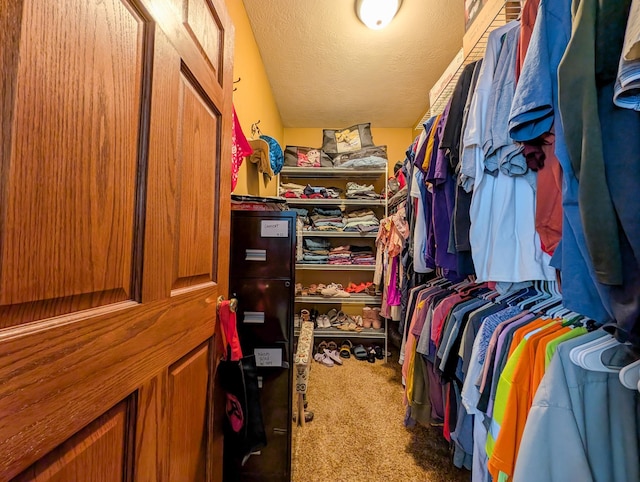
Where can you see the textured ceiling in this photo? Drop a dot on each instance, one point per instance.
(328, 70)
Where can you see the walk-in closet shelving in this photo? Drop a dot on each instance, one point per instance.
(307, 273)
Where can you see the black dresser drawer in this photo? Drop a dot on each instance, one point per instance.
(264, 310)
(262, 247)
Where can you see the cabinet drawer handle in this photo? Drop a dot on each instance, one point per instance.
(255, 317)
(256, 255)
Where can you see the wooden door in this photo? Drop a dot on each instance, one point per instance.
(114, 218)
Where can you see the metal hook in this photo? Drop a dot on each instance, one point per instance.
(235, 82)
(255, 130)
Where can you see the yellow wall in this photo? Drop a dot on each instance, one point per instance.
(253, 99)
(396, 139)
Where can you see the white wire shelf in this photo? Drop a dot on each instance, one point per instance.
(330, 172)
(339, 234)
(354, 299)
(335, 267)
(338, 333)
(336, 202)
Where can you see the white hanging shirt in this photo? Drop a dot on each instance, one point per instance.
(504, 243)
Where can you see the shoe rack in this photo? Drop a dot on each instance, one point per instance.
(307, 275)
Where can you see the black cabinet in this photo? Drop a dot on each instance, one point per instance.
(262, 279)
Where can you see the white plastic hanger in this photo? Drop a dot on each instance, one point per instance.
(630, 375)
(575, 352)
(591, 359)
(545, 303)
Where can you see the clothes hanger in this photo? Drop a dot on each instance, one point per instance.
(575, 351)
(553, 300)
(461, 285)
(545, 303)
(590, 359)
(542, 294)
(630, 375)
(522, 295)
(508, 295)
(559, 311)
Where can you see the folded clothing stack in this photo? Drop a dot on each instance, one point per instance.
(361, 191)
(327, 219)
(316, 251)
(291, 190)
(340, 255)
(302, 214)
(362, 255)
(362, 220)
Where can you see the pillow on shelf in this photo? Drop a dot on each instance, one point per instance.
(297, 156)
(367, 158)
(354, 138)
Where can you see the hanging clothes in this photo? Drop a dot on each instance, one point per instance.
(240, 149)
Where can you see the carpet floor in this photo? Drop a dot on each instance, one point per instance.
(358, 434)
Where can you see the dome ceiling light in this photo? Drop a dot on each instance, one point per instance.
(377, 14)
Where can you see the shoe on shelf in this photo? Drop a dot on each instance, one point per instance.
(360, 288)
(370, 289)
(323, 321)
(351, 288)
(376, 319)
(367, 319)
(331, 290)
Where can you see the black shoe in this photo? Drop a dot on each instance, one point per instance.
(379, 352)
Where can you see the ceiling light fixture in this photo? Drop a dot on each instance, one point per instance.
(377, 14)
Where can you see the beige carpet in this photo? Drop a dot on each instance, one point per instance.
(358, 432)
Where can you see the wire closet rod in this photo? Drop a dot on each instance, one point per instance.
(509, 11)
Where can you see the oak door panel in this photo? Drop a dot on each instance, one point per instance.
(188, 389)
(60, 375)
(205, 29)
(114, 218)
(97, 452)
(69, 189)
(197, 191)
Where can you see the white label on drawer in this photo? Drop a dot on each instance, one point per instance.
(268, 357)
(274, 229)
(253, 317)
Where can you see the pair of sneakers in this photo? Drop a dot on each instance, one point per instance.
(322, 321)
(335, 290)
